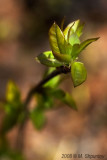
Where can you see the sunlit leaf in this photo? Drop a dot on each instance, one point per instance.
(48, 59)
(80, 29)
(38, 118)
(58, 44)
(84, 44)
(75, 26)
(62, 57)
(54, 82)
(78, 73)
(67, 30)
(79, 48)
(71, 28)
(57, 40)
(74, 39)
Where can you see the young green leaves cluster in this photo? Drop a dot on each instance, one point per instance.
(66, 47)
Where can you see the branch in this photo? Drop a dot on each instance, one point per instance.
(20, 137)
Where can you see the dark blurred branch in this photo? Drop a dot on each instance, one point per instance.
(37, 88)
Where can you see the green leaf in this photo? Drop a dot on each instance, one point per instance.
(44, 100)
(38, 118)
(79, 48)
(58, 93)
(84, 44)
(12, 93)
(9, 121)
(76, 24)
(47, 102)
(66, 31)
(78, 73)
(80, 29)
(75, 49)
(12, 107)
(73, 31)
(58, 44)
(69, 48)
(64, 97)
(71, 28)
(69, 101)
(8, 107)
(73, 39)
(47, 58)
(54, 82)
(57, 40)
(62, 57)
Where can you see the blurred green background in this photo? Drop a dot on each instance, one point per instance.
(24, 26)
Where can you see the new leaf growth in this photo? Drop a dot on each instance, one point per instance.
(65, 49)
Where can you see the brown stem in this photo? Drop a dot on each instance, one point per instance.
(20, 137)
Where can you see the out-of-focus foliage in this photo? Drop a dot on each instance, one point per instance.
(7, 30)
(12, 107)
(45, 100)
(38, 118)
(6, 153)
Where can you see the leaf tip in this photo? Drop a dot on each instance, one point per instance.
(97, 38)
(54, 24)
